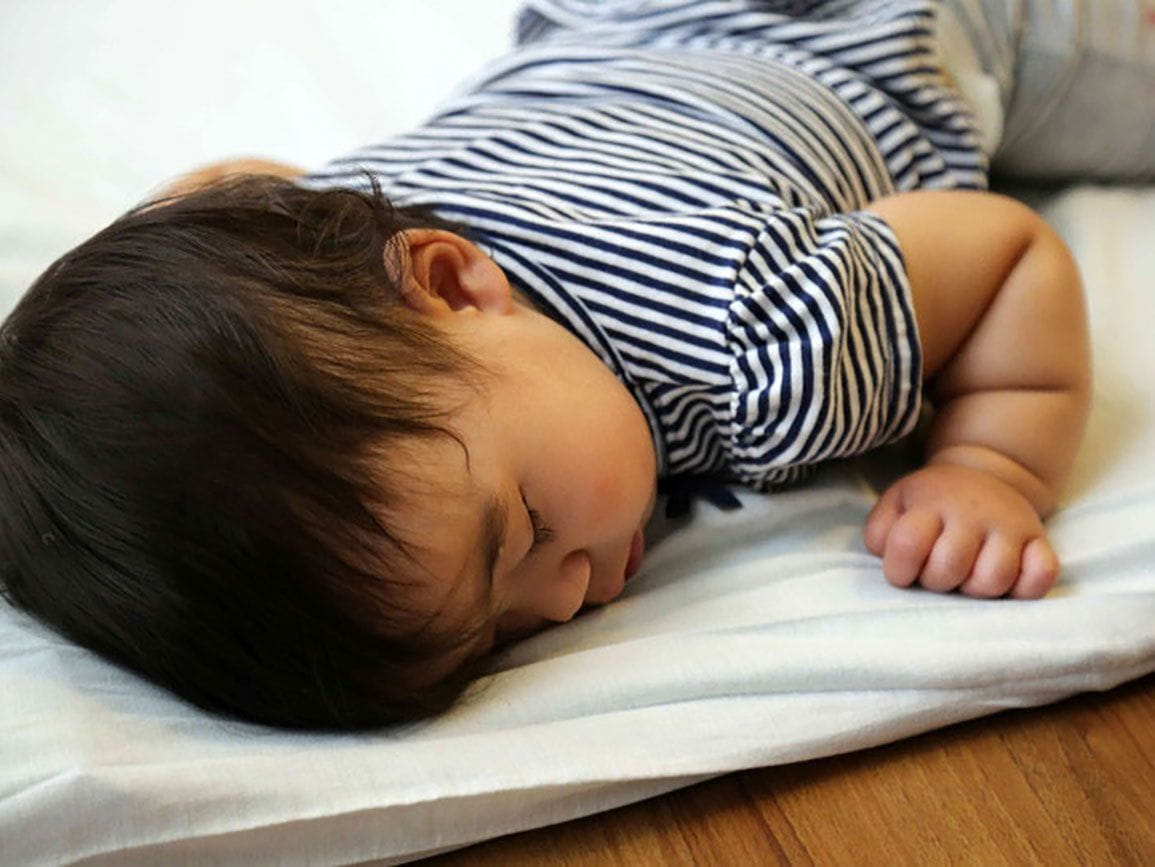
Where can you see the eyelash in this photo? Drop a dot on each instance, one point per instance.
(541, 532)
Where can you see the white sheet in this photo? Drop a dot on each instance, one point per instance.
(750, 638)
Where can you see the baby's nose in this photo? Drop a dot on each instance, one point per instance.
(570, 587)
(606, 584)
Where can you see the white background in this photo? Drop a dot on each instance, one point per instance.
(102, 100)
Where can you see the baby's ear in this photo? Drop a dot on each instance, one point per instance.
(440, 272)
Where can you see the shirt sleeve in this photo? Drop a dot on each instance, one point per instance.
(825, 356)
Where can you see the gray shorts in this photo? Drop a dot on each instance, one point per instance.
(1063, 88)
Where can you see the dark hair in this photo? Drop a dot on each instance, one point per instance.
(191, 406)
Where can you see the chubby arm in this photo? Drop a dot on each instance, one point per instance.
(1001, 317)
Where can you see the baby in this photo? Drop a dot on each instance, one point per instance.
(304, 455)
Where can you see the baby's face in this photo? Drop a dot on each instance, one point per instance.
(560, 480)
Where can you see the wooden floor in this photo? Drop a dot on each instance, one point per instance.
(1071, 783)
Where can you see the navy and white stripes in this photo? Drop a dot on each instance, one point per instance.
(681, 184)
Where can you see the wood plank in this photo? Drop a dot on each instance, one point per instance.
(1071, 783)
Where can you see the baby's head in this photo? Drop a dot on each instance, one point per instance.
(303, 457)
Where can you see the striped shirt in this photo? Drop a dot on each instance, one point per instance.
(681, 184)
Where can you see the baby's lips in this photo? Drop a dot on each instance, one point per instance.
(637, 551)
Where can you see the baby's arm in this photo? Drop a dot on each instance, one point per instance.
(1006, 353)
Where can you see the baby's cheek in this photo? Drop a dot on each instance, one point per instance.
(597, 490)
(607, 458)
(621, 476)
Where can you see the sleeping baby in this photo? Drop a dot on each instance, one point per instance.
(304, 448)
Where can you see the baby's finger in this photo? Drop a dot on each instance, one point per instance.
(909, 544)
(996, 568)
(880, 520)
(1040, 570)
(952, 558)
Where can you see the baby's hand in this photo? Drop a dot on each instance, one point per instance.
(952, 527)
